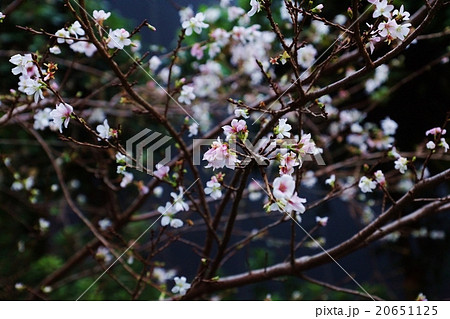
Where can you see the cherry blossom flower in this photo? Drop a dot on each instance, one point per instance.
(213, 188)
(181, 286)
(435, 131)
(31, 87)
(76, 29)
(178, 202)
(295, 203)
(61, 115)
(256, 7)
(283, 187)
(221, 36)
(235, 13)
(430, 145)
(100, 16)
(84, 47)
(254, 190)
(103, 254)
(197, 51)
(238, 128)
(195, 24)
(104, 223)
(168, 218)
(42, 119)
(287, 163)
(444, 144)
(2, 16)
(120, 158)
(55, 50)
(161, 171)
(118, 39)
(47, 289)
(388, 28)
(186, 94)
(219, 155)
(317, 9)
(309, 179)
(162, 275)
(127, 179)
(379, 177)
(185, 14)
(402, 30)
(154, 63)
(63, 35)
(212, 14)
(19, 286)
(282, 130)
(44, 225)
(404, 15)
(366, 184)
(331, 180)
(322, 221)
(121, 169)
(241, 113)
(307, 146)
(193, 129)
(382, 9)
(22, 62)
(401, 164)
(104, 131)
(372, 41)
(389, 126)
(306, 56)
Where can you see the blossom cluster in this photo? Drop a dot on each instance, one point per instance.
(169, 211)
(394, 23)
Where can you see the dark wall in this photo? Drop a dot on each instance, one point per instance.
(162, 14)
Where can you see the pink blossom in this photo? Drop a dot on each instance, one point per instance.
(288, 162)
(283, 187)
(127, 179)
(61, 115)
(237, 127)
(388, 28)
(372, 41)
(161, 171)
(436, 131)
(295, 204)
(322, 221)
(256, 7)
(100, 16)
(197, 51)
(219, 155)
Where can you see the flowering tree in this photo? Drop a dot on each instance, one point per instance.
(279, 93)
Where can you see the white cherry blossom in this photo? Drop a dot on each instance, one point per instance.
(118, 39)
(195, 24)
(178, 201)
(181, 286)
(366, 185)
(61, 115)
(256, 7)
(401, 164)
